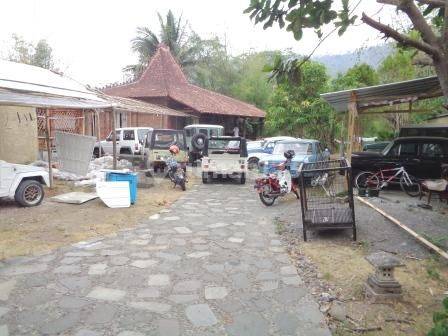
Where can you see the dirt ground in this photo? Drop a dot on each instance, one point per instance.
(25, 231)
(333, 266)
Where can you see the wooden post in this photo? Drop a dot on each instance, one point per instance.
(114, 138)
(47, 140)
(244, 127)
(353, 126)
(98, 132)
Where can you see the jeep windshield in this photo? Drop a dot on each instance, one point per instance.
(221, 146)
(297, 147)
(164, 139)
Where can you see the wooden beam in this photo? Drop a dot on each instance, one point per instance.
(114, 138)
(47, 140)
(98, 132)
(408, 230)
(353, 126)
(363, 112)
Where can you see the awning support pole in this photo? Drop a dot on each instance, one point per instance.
(114, 138)
(353, 126)
(47, 140)
(98, 132)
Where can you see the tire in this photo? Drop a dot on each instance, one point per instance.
(413, 189)
(96, 152)
(252, 163)
(243, 178)
(268, 201)
(182, 185)
(205, 178)
(29, 193)
(361, 180)
(198, 141)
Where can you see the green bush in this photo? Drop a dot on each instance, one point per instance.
(440, 319)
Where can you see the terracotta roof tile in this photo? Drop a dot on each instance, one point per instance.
(164, 78)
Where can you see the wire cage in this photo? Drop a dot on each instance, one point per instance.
(326, 196)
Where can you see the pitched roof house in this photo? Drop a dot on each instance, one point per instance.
(164, 83)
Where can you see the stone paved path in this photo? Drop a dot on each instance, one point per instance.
(209, 265)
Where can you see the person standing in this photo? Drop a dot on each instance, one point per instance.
(236, 131)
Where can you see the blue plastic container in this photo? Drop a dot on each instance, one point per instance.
(129, 177)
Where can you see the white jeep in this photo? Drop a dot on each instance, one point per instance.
(23, 183)
(224, 156)
(130, 141)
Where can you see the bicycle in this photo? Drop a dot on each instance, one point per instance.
(326, 182)
(409, 184)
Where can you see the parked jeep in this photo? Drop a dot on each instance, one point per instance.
(158, 142)
(130, 141)
(23, 183)
(224, 156)
(196, 135)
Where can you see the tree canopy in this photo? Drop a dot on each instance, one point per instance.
(429, 19)
(39, 54)
(185, 45)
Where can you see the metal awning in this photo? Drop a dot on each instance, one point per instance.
(385, 94)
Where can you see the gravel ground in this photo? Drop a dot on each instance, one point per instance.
(374, 231)
(432, 224)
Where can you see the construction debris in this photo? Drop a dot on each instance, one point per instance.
(74, 197)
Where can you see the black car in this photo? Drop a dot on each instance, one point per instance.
(422, 157)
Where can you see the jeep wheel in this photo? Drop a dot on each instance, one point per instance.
(252, 163)
(243, 178)
(29, 193)
(205, 178)
(96, 152)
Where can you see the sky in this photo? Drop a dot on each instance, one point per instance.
(91, 39)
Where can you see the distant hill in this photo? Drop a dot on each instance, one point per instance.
(341, 63)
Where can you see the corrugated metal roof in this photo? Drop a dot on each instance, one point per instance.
(386, 94)
(43, 100)
(24, 77)
(27, 85)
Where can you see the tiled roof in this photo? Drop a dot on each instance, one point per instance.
(164, 78)
(134, 105)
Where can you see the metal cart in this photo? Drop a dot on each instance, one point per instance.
(326, 196)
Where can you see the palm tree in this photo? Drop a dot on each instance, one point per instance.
(183, 43)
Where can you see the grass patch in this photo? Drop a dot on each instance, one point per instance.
(280, 226)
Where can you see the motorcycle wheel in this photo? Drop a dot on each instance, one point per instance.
(182, 185)
(266, 200)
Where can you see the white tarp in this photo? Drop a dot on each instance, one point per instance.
(74, 152)
(75, 197)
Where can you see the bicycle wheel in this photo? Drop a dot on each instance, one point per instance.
(367, 179)
(410, 185)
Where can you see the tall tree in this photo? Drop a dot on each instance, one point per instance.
(298, 110)
(184, 44)
(359, 75)
(40, 54)
(428, 17)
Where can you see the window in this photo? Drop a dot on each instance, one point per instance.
(222, 146)
(129, 135)
(117, 135)
(408, 149)
(270, 145)
(214, 132)
(297, 147)
(164, 139)
(189, 132)
(203, 131)
(141, 133)
(432, 150)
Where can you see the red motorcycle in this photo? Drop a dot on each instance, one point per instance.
(277, 184)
